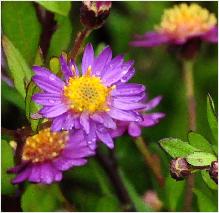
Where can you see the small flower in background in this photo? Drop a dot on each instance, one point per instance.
(47, 154)
(93, 101)
(179, 168)
(180, 24)
(94, 13)
(213, 171)
(152, 200)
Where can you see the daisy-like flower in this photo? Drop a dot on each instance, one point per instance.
(149, 119)
(180, 24)
(93, 100)
(47, 154)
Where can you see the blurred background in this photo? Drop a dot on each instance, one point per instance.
(88, 188)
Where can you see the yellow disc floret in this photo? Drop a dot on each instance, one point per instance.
(183, 21)
(44, 146)
(87, 93)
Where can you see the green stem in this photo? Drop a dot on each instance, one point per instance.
(191, 106)
(149, 160)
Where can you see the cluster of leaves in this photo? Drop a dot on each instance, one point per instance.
(89, 188)
(198, 152)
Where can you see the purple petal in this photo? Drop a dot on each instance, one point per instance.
(84, 120)
(128, 75)
(22, 176)
(63, 164)
(153, 103)
(150, 39)
(119, 131)
(105, 137)
(46, 85)
(97, 117)
(131, 99)
(35, 174)
(88, 58)
(211, 35)
(46, 175)
(152, 119)
(47, 99)
(65, 68)
(101, 61)
(51, 112)
(124, 115)
(134, 130)
(108, 121)
(48, 76)
(115, 75)
(91, 136)
(57, 123)
(128, 89)
(127, 106)
(72, 65)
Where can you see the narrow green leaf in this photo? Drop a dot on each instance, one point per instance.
(176, 147)
(205, 203)
(40, 198)
(61, 8)
(20, 24)
(20, 71)
(11, 95)
(108, 204)
(199, 142)
(62, 37)
(30, 106)
(7, 162)
(207, 179)
(138, 202)
(200, 158)
(212, 118)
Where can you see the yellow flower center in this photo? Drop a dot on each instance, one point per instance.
(44, 146)
(87, 93)
(183, 21)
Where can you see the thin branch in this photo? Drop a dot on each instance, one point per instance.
(149, 160)
(110, 166)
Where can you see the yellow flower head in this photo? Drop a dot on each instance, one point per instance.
(184, 21)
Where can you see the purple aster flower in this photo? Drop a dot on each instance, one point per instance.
(180, 24)
(93, 100)
(47, 154)
(149, 120)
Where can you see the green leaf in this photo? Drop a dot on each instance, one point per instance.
(54, 65)
(173, 193)
(7, 162)
(11, 95)
(17, 65)
(176, 147)
(108, 204)
(200, 158)
(61, 8)
(137, 200)
(212, 118)
(30, 106)
(62, 37)
(205, 203)
(20, 24)
(199, 142)
(40, 198)
(207, 179)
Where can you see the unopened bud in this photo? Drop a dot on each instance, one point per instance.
(213, 171)
(179, 168)
(94, 13)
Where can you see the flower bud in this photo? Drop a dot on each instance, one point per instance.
(213, 171)
(151, 199)
(179, 168)
(94, 13)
